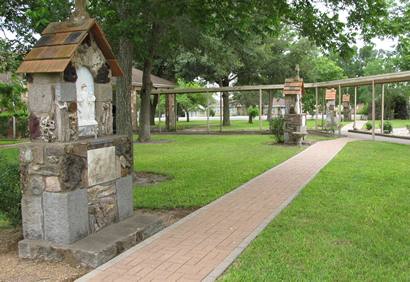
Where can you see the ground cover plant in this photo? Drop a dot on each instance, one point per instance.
(10, 194)
(351, 223)
(395, 123)
(203, 168)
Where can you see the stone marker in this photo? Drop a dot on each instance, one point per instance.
(295, 119)
(76, 176)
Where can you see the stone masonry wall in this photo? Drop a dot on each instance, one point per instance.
(73, 189)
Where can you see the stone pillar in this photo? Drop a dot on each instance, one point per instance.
(76, 175)
(295, 119)
(347, 110)
(170, 116)
(332, 120)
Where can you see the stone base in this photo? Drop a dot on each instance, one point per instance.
(97, 248)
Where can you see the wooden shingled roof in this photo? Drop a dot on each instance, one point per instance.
(58, 43)
(293, 86)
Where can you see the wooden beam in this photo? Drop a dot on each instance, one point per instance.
(316, 106)
(355, 107)
(260, 109)
(373, 111)
(349, 82)
(382, 117)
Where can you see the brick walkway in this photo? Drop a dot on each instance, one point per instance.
(202, 245)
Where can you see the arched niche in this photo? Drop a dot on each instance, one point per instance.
(85, 102)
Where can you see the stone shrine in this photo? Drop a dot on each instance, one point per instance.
(76, 175)
(332, 120)
(295, 119)
(347, 109)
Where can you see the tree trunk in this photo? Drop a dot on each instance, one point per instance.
(187, 116)
(270, 106)
(154, 104)
(225, 103)
(123, 91)
(250, 119)
(145, 110)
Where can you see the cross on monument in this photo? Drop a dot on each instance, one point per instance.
(297, 69)
(80, 11)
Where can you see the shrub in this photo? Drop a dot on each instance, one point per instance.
(369, 125)
(278, 129)
(10, 193)
(387, 127)
(253, 112)
(212, 113)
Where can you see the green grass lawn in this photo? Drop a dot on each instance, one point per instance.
(351, 223)
(8, 142)
(310, 123)
(241, 125)
(236, 125)
(203, 168)
(396, 123)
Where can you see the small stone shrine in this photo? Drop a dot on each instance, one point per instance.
(75, 174)
(347, 109)
(295, 119)
(331, 115)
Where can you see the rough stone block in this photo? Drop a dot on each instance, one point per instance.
(66, 92)
(38, 154)
(32, 213)
(62, 122)
(41, 78)
(104, 117)
(53, 184)
(102, 206)
(65, 216)
(88, 130)
(26, 154)
(124, 197)
(40, 98)
(103, 92)
(36, 185)
(101, 165)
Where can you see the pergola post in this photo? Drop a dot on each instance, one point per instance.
(355, 107)
(260, 109)
(207, 113)
(339, 109)
(220, 111)
(175, 111)
(373, 111)
(159, 113)
(316, 106)
(382, 117)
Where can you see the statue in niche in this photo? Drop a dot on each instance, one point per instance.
(85, 98)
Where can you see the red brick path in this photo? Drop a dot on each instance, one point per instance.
(202, 245)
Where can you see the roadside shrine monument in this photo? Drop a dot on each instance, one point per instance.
(76, 175)
(332, 120)
(347, 109)
(295, 120)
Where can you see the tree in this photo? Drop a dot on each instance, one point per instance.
(157, 27)
(191, 102)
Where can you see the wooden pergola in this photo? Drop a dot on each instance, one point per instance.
(371, 80)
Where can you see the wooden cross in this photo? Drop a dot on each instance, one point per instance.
(297, 69)
(80, 11)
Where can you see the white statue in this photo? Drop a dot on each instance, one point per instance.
(85, 97)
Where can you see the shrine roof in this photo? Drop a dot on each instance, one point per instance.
(293, 86)
(58, 43)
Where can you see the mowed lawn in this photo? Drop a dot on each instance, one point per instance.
(351, 223)
(237, 125)
(203, 168)
(396, 123)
